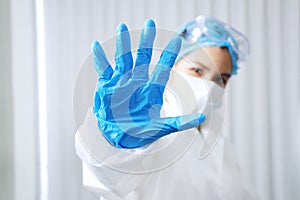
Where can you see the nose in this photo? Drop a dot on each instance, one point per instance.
(211, 74)
(214, 76)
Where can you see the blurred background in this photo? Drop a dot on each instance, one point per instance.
(44, 43)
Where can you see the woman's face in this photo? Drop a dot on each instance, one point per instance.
(211, 63)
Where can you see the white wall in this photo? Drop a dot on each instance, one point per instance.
(23, 42)
(6, 108)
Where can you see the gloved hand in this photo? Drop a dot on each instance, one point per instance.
(127, 102)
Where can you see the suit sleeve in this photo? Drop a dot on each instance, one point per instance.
(117, 172)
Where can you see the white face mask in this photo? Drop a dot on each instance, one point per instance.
(186, 94)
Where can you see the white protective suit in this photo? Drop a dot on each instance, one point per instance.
(169, 168)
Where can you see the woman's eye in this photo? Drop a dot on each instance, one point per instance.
(198, 70)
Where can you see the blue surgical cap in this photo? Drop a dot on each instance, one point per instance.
(208, 31)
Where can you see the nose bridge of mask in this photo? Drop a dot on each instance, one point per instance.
(216, 94)
(212, 127)
(198, 95)
(191, 93)
(206, 92)
(201, 92)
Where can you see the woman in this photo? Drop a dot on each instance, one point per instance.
(151, 130)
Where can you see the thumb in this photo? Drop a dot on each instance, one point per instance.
(180, 123)
(189, 121)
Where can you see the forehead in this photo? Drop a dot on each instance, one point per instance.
(216, 58)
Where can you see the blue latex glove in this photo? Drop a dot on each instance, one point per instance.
(127, 102)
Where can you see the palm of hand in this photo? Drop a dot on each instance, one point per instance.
(127, 102)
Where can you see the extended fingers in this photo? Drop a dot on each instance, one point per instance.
(167, 59)
(123, 56)
(101, 63)
(144, 52)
